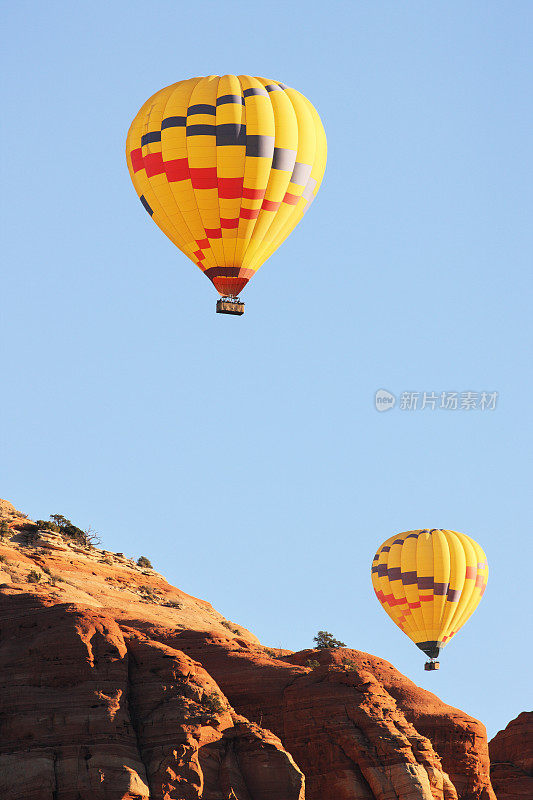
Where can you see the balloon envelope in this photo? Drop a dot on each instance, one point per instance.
(430, 582)
(226, 167)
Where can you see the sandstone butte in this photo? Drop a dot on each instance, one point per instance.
(115, 685)
(511, 756)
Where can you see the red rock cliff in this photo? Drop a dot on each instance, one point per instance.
(511, 756)
(115, 684)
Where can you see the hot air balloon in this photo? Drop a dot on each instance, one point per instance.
(430, 582)
(227, 166)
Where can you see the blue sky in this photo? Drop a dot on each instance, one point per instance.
(244, 456)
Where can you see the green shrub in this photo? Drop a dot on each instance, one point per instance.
(230, 626)
(213, 703)
(3, 559)
(313, 663)
(149, 594)
(347, 662)
(325, 641)
(65, 527)
(44, 525)
(144, 562)
(5, 530)
(34, 576)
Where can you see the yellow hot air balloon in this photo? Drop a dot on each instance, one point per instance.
(226, 167)
(430, 582)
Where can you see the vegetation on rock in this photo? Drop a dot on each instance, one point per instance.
(230, 626)
(70, 531)
(149, 594)
(213, 703)
(46, 525)
(325, 641)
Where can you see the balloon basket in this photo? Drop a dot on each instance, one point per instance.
(230, 305)
(429, 666)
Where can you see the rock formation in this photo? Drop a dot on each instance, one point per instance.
(511, 757)
(115, 684)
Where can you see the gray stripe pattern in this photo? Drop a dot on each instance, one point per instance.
(201, 130)
(254, 91)
(259, 146)
(230, 98)
(231, 134)
(174, 122)
(152, 136)
(300, 176)
(394, 573)
(308, 192)
(283, 159)
(201, 108)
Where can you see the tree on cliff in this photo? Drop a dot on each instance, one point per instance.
(66, 528)
(325, 641)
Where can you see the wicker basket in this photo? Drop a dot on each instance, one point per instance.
(227, 306)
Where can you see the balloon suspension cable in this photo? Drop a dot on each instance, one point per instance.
(230, 304)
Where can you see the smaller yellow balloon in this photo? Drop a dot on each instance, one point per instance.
(430, 582)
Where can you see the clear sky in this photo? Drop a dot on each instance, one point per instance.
(244, 456)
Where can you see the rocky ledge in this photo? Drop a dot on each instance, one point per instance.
(115, 685)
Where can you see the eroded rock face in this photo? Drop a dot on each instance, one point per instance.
(355, 726)
(66, 730)
(115, 684)
(92, 712)
(511, 757)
